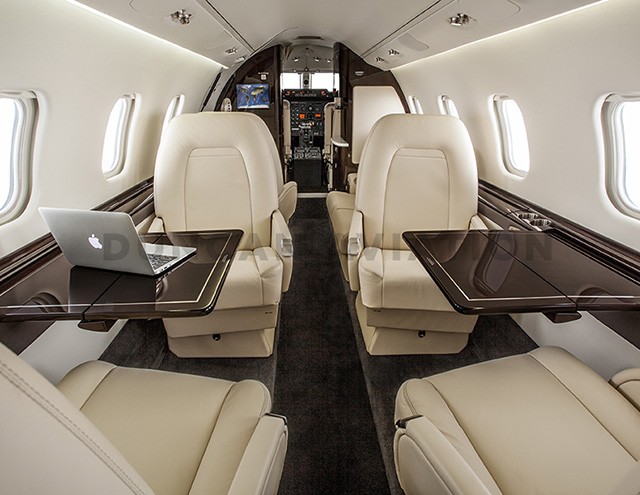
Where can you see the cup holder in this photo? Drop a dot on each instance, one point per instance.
(541, 223)
(528, 217)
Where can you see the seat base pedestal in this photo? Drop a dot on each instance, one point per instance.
(252, 343)
(381, 341)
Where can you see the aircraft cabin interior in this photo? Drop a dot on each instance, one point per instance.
(355, 247)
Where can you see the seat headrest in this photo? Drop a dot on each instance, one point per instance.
(218, 170)
(369, 104)
(417, 172)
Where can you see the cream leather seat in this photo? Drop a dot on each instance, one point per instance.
(369, 104)
(539, 423)
(110, 430)
(217, 170)
(418, 172)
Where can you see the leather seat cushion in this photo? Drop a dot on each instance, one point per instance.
(194, 446)
(254, 280)
(539, 423)
(340, 206)
(395, 279)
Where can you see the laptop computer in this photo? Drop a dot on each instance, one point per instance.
(109, 240)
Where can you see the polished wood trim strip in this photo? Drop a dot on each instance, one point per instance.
(611, 253)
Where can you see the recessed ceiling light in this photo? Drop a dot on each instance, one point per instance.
(181, 16)
(460, 20)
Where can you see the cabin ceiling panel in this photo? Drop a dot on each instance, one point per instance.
(203, 33)
(386, 34)
(436, 34)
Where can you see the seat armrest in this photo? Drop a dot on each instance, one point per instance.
(355, 245)
(156, 226)
(288, 200)
(427, 463)
(352, 180)
(339, 142)
(282, 244)
(627, 382)
(476, 223)
(261, 465)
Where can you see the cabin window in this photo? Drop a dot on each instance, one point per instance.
(17, 124)
(447, 106)
(513, 135)
(115, 140)
(414, 105)
(621, 126)
(174, 109)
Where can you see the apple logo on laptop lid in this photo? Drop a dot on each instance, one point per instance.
(95, 242)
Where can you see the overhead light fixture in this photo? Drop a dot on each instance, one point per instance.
(316, 59)
(393, 53)
(380, 59)
(231, 51)
(460, 20)
(240, 59)
(181, 16)
(296, 59)
(329, 60)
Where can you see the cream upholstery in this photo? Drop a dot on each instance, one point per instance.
(340, 205)
(369, 104)
(131, 431)
(539, 423)
(627, 382)
(287, 192)
(418, 172)
(218, 170)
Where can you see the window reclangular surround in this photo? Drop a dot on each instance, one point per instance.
(132, 431)
(217, 170)
(369, 104)
(418, 172)
(538, 423)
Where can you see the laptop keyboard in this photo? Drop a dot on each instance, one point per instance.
(158, 260)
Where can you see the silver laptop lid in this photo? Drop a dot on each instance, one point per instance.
(100, 239)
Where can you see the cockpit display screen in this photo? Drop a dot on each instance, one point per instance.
(252, 96)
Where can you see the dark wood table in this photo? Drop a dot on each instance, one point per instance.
(60, 291)
(501, 272)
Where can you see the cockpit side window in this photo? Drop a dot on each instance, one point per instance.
(18, 113)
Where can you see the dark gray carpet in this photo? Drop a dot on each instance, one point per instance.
(320, 386)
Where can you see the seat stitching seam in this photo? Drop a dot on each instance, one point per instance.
(96, 387)
(21, 384)
(465, 435)
(584, 405)
(213, 429)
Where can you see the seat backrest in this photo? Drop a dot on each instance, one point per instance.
(48, 446)
(418, 172)
(218, 170)
(369, 104)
